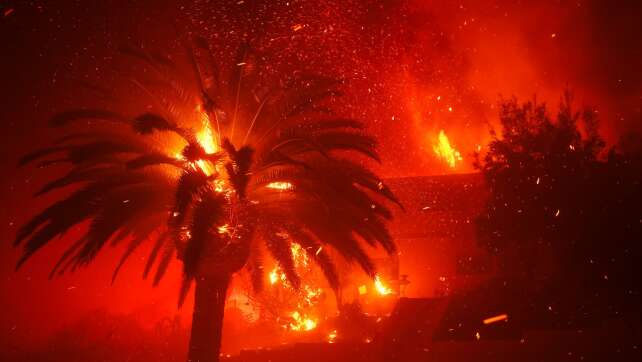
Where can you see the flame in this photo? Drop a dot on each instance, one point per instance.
(281, 186)
(300, 259)
(445, 151)
(380, 287)
(224, 229)
(206, 136)
(301, 322)
(307, 296)
(276, 274)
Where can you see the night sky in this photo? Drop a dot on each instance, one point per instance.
(413, 68)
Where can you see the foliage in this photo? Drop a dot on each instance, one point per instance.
(562, 210)
(210, 203)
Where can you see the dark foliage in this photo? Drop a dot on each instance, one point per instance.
(128, 187)
(563, 215)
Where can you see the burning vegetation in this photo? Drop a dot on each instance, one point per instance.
(445, 151)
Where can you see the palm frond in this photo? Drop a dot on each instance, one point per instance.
(279, 246)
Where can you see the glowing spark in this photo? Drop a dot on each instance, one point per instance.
(380, 287)
(318, 250)
(557, 213)
(297, 27)
(495, 319)
(445, 151)
(281, 186)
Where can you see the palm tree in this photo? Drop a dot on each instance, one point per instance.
(223, 166)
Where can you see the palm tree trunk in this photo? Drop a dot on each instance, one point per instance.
(207, 319)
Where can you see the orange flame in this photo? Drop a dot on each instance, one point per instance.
(445, 151)
(302, 323)
(380, 287)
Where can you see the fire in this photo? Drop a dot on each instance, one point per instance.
(275, 275)
(300, 259)
(303, 307)
(281, 186)
(205, 136)
(380, 287)
(301, 322)
(445, 151)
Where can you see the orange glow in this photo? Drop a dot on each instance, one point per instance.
(363, 289)
(380, 287)
(499, 318)
(445, 151)
(281, 186)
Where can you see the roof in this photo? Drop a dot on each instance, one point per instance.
(441, 206)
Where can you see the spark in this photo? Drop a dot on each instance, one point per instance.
(497, 318)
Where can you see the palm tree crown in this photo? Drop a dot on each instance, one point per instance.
(225, 163)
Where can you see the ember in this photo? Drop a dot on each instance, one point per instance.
(499, 318)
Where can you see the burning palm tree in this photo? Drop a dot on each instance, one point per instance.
(223, 166)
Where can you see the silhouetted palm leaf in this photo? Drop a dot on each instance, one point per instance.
(211, 209)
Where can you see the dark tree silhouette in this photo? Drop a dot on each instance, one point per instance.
(563, 214)
(280, 167)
